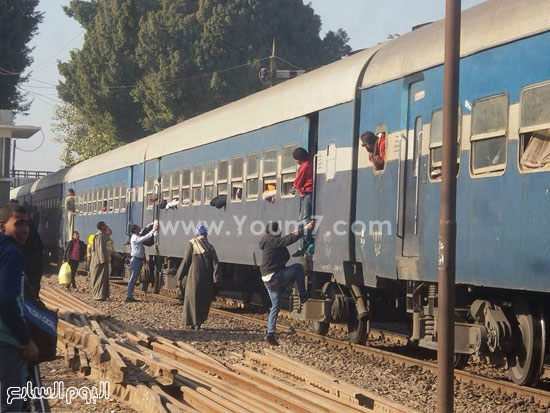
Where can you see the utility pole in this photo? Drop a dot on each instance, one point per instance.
(272, 65)
(447, 213)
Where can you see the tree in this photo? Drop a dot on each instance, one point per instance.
(146, 65)
(79, 139)
(18, 24)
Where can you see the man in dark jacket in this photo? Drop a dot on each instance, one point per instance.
(275, 275)
(16, 346)
(75, 252)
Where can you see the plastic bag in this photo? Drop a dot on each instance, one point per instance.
(65, 274)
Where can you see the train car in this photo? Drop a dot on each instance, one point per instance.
(376, 237)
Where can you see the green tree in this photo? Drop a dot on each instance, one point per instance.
(18, 24)
(79, 139)
(146, 65)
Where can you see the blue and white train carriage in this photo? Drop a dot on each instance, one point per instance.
(376, 244)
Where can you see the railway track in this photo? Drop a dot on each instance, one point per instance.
(539, 396)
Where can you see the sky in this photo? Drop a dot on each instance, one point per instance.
(367, 23)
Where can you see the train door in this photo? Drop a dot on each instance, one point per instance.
(313, 135)
(412, 166)
(134, 196)
(151, 193)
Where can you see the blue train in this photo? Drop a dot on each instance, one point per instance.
(376, 240)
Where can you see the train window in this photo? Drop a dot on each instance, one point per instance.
(149, 188)
(89, 201)
(288, 170)
(436, 142)
(186, 187)
(123, 198)
(176, 184)
(197, 185)
(94, 201)
(98, 205)
(237, 179)
(489, 127)
(209, 171)
(111, 198)
(534, 132)
(252, 175)
(165, 184)
(117, 197)
(222, 177)
(269, 174)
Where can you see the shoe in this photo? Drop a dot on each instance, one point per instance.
(304, 298)
(270, 338)
(196, 328)
(298, 253)
(130, 300)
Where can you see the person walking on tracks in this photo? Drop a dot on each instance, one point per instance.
(99, 267)
(138, 256)
(16, 345)
(275, 275)
(75, 252)
(201, 266)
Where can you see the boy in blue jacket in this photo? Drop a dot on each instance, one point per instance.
(16, 346)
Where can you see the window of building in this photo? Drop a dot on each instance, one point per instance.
(489, 127)
(269, 173)
(149, 189)
(165, 184)
(176, 184)
(534, 132)
(223, 167)
(436, 142)
(197, 185)
(209, 192)
(252, 175)
(237, 179)
(186, 187)
(288, 170)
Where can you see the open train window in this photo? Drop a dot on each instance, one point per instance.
(98, 197)
(252, 176)
(269, 173)
(116, 197)
(111, 198)
(176, 184)
(186, 187)
(436, 143)
(149, 189)
(534, 131)
(489, 128)
(237, 179)
(197, 185)
(94, 202)
(288, 170)
(222, 176)
(209, 192)
(165, 185)
(123, 200)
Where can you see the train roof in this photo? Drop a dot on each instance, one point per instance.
(487, 25)
(20, 191)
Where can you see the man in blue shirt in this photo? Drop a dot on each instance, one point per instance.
(138, 256)
(16, 346)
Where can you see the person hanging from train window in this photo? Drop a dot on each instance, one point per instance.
(70, 206)
(275, 275)
(75, 253)
(99, 268)
(202, 272)
(376, 147)
(137, 242)
(303, 183)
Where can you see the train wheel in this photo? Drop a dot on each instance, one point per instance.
(524, 364)
(320, 327)
(461, 360)
(357, 330)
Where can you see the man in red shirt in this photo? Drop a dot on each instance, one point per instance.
(376, 147)
(304, 185)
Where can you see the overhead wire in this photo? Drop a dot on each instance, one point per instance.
(35, 149)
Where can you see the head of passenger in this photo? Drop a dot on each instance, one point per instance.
(201, 230)
(368, 141)
(135, 229)
(102, 226)
(14, 222)
(76, 236)
(300, 155)
(272, 228)
(70, 192)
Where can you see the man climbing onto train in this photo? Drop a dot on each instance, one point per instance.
(304, 185)
(376, 147)
(138, 255)
(275, 275)
(16, 345)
